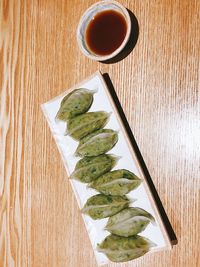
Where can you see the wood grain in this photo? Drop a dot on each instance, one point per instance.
(159, 89)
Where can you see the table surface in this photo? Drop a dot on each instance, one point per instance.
(159, 89)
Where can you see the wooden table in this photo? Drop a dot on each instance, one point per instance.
(158, 86)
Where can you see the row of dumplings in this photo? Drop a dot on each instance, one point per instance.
(95, 169)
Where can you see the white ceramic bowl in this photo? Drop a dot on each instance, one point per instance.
(89, 15)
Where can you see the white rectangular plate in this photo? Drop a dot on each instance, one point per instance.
(67, 146)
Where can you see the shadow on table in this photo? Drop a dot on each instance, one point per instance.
(131, 43)
(158, 202)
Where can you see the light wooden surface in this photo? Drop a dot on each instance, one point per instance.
(159, 89)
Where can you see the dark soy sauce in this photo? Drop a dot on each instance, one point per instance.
(106, 32)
